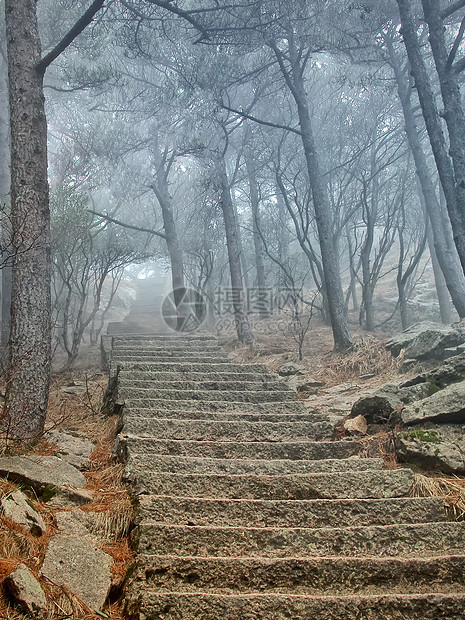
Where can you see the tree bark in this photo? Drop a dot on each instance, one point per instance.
(324, 220)
(455, 200)
(445, 306)
(444, 253)
(257, 240)
(244, 333)
(30, 341)
(4, 185)
(161, 189)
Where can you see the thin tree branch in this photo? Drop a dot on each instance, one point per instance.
(447, 12)
(459, 65)
(260, 121)
(168, 6)
(455, 47)
(124, 225)
(69, 37)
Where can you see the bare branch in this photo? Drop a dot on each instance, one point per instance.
(69, 37)
(455, 47)
(169, 6)
(260, 121)
(124, 225)
(447, 12)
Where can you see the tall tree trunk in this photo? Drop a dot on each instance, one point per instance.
(244, 333)
(30, 342)
(324, 220)
(445, 306)
(161, 189)
(455, 200)
(4, 185)
(453, 113)
(245, 272)
(445, 254)
(257, 240)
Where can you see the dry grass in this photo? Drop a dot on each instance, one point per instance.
(380, 445)
(451, 489)
(368, 360)
(111, 504)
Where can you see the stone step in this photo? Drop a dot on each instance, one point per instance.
(351, 485)
(168, 349)
(194, 465)
(310, 450)
(217, 406)
(307, 576)
(131, 390)
(134, 379)
(186, 414)
(212, 430)
(182, 375)
(122, 328)
(174, 606)
(187, 367)
(187, 358)
(407, 540)
(168, 338)
(314, 513)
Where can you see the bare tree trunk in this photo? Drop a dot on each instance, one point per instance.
(245, 271)
(446, 255)
(329, 254)
(455, 200)
(4, 184)
(257, 240)
(161, 189)
(244, 333)
(445, 306)
(30, 341)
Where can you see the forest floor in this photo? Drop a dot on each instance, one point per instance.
(366, 366)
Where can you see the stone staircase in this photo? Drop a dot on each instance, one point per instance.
(247, 509)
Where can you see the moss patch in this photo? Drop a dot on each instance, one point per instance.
(425, 436)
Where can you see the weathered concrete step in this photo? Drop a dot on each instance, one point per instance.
(194, 465)
(188, 367)
(181, 375)
(176, 606)
(186, 414)
(212, 430)
(408, 540)
(131, 390)
(308, 576)
(136, 380)
(291, 406)
(369, 484)
(311, 450)
(313, 513)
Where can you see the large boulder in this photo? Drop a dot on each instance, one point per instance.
(17, 508)
(434, 446)
(427, 341)
(73, 448)
(40, 472)
(26, 591)
(76, 563)
(451, 371)
(386, 403)
(54, 480)
(446, 405)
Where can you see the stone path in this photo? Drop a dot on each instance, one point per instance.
(246, 508)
